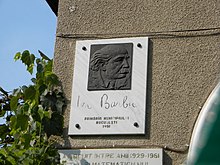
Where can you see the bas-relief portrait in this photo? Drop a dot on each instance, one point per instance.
(110, 67)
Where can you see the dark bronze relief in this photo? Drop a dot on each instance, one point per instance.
(110, 67)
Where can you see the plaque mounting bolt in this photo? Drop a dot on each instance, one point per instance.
(139, 45)
(136, 124)
(84, 48)
(77, 126)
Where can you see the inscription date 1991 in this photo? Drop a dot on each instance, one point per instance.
(106, 103)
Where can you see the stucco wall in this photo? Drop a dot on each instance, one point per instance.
(183, 68)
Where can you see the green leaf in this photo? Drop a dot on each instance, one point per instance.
(3, 152)
(51, 78)
(44, 56)
(4, 131)
(2, 112)
(35, 114)
(53, 126)
(24, 87)
(3, 91)
(22, 122)
(48, 114)
(40, 68)
(6, 107)
(30, 68)
(14, 103)
(30, 93)
(33, 80)
(13, 122)
(26, 138)
(11, 160)
(8, 117)
(38, 60)
(28, 161)
(16, 92)
(25, 107)
(41, 113)
(49, 66)
(19, 121)
(25, 57)
(42, 88)
(17, 56)
(28, 60)
(49, 101)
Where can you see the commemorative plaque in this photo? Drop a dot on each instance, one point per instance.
(112, 157)
(109, 87)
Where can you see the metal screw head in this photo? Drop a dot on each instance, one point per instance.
(84, 48)
(139, 45)
(136, 124)
(77, 126)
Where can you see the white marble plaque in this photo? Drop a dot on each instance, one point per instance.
(109, 87)
(112, 157)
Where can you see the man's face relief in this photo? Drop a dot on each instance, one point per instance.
(110, 67)
(117, 67)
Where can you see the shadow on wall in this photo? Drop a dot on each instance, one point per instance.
(167, 159)
(149, 90)
(84, 162)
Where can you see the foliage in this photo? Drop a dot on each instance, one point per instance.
(33, 113)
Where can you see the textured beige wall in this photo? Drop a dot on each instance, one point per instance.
(184, 65)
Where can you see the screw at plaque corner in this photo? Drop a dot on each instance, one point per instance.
(136, 124)
(139, 45)
(77, 126)
(84, 48)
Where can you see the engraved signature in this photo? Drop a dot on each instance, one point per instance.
(105, 103)
(82, 104)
